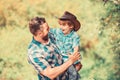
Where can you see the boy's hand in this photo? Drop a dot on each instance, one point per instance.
(78, 66)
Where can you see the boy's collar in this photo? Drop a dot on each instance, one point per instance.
(68, 35)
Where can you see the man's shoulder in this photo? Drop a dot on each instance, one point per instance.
(32, 46)
(34, 49)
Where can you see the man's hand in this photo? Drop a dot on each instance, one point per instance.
(74, 57)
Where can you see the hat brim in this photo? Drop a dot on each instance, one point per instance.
(77, 25)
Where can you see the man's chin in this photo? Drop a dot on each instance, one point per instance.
(45, 37)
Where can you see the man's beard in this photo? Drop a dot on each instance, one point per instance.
(45, 38)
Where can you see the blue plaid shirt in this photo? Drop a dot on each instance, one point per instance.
(41, 56)
(66, 43)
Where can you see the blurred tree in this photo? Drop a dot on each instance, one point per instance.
(111, 23)
(2, 19)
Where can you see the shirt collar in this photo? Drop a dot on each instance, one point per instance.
(38, 43)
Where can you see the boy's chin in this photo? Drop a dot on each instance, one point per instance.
(65, 33)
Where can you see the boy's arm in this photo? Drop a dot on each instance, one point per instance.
(76, 49)
(76, 45)
(78, 66)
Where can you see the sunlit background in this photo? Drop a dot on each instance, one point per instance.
(99, 34)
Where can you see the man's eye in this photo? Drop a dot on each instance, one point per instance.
(41, 28)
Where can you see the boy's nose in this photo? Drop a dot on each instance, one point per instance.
(61, 27)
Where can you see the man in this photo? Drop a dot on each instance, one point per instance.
(44, 55)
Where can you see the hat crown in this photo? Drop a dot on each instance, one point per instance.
(69, 15)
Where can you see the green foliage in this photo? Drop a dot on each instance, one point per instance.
(111, 25)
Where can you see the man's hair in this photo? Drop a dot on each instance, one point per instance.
(34, 24)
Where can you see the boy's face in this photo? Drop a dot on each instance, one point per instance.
(66, 29)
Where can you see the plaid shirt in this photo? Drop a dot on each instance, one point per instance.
(41, 56)
(66, 43)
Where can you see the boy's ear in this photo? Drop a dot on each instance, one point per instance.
(71, 27)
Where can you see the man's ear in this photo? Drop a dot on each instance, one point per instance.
(39, 33)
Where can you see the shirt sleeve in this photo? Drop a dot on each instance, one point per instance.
(38, 61)
(76, 41)
(53, 30)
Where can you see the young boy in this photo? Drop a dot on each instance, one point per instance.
(67, 40)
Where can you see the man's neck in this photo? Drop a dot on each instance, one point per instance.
(41, 40)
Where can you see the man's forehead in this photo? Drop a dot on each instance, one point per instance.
(43, 25)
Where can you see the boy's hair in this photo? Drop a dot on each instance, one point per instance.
(34, 24)
(68, 22)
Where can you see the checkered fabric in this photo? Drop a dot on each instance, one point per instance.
(41, 56)
(66, 43)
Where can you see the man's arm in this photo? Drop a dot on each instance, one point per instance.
(54, 72)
